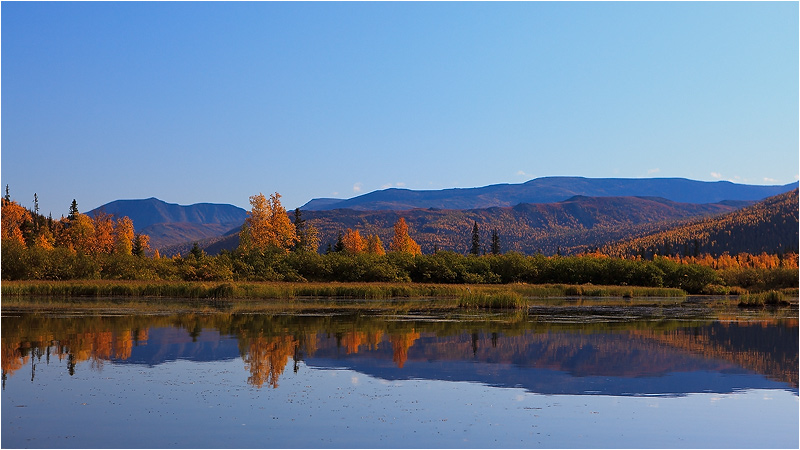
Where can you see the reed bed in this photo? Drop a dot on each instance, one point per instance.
(510, 296)
(762, 299)
(492, 300)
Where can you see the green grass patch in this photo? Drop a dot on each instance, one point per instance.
(492, 300)
(762, 299)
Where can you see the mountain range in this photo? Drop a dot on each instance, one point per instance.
(169, 223)
(550, 190)
(551, 214)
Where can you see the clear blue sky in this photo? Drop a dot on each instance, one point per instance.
(214, 102)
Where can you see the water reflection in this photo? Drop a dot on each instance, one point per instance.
(667, 358)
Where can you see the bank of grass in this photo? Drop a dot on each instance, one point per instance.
(762, 299)
(485, 296)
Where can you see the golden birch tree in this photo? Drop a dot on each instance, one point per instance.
(123, 236)
(374, 245)
(402, 242)
(104, 232)
(268, 225)
(82, 234)
(13, 216)
(353, 242)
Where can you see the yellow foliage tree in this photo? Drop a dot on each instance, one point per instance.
(45, 239)
(267, 225)
(123, 236)
(353, 242)
(13, 216)
(402, 242)
(104, 232)
(82, 234)
(311, 242)
(374, 245)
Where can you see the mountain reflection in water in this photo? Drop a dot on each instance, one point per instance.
(667, 358)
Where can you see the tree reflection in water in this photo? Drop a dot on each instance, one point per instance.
(644, 348)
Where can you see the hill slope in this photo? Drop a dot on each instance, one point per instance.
(549, 190)
(168, 223)
(768, 226)
(570, 226)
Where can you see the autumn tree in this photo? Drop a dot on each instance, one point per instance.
(307, 234)
(374, 245)
(268, 225)
(123, 236)
(353, 242)
(82, 234)
(402, 242)
(104, 232)
(13, 218)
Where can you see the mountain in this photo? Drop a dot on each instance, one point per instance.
(571, 226)
(770, 225)
(550, 190)
(170, 223)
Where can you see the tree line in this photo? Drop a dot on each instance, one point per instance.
(274, 248)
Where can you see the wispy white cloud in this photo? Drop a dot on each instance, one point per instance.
(716, 175)
(652, 171)
(770, 180)
(522, 173)
(357, 187)
(390, 185)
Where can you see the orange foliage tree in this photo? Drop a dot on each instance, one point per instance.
(402, 242)
(123, 236)
(374, 245)
(13, 217)
(353, 242)
(267, 225)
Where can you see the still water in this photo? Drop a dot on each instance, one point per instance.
(230, 380)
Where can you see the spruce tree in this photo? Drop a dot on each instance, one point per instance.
(73, 210)
(476, 241)
(339, 247)
(300, 230)
(495, 243)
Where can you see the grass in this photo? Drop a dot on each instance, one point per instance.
(512, 293)
(492, 300)
(760, 300)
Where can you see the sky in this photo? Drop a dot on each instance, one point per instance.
(214, 102)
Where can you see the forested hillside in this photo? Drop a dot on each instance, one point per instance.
(570, 226)
(550, 190)
(169, 224)
(769, 226)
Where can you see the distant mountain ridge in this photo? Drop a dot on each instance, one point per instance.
(146, 212)
(551, 190)
(170, 223)
(572, 225)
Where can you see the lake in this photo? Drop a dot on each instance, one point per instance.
(556, 377)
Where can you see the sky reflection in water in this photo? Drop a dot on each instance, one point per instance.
(257, 381)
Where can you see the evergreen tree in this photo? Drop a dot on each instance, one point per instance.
(73, 210)
(8, 196)
(300, 230)
(495, 243)
(339, 247)
(197, 252)
(476, 241)
(141, 243)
